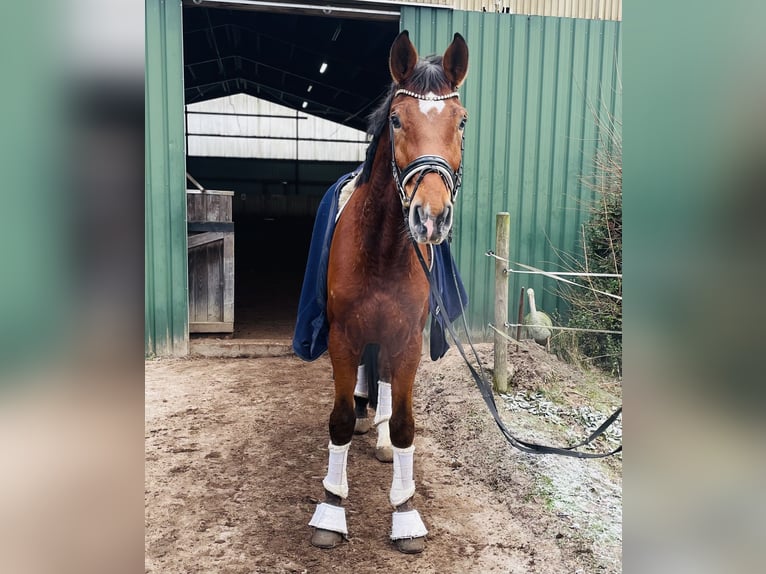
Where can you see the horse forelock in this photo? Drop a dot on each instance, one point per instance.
(428, 76)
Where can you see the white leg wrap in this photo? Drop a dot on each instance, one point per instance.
(384, 437)
(383, 412)
(329, 517)
(403, 485)
(336, 480)
(361, 383)
(407, 525)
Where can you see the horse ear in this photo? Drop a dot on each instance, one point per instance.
(455, 61)
(403, 58)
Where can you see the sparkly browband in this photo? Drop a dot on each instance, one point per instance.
(430, 97)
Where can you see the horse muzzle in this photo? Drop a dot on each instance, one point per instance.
(430, 205)
(428, 227)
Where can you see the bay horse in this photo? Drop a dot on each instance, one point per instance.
(377, 292)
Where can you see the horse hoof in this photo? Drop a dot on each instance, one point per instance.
(325, 538)
(411, 545)
(384, 453)
(362, 425)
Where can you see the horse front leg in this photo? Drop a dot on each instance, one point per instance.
(408, 532)
(329, 520)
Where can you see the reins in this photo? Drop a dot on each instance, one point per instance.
(485, 388)
(421, 166)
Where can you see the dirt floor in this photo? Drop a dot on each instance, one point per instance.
(236, 450)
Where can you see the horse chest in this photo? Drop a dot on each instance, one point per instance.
(376, 297)
(368, 302)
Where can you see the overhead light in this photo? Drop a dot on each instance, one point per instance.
(304, 105)
(311, 87)
(323, 67)
(336, 33)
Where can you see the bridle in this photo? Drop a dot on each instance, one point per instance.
(425, 164)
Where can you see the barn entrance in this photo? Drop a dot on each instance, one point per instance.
(276, 108)
(273, 206)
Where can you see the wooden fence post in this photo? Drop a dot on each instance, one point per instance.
(519, 318)
(503, 227)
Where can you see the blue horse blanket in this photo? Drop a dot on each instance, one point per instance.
(311, 328)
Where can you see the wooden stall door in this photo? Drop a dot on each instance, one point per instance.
(211, 261)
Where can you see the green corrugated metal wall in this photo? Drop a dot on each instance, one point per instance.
(533, 87)
(166, 315)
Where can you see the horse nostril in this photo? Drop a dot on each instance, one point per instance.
(422, 217)
(445, 217)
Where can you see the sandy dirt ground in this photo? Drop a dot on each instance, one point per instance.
(236, 450)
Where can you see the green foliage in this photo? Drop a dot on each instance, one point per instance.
(602, 253)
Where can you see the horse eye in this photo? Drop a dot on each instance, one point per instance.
(462, 123)
(396, 122)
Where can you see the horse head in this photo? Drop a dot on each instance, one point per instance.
(426, 123)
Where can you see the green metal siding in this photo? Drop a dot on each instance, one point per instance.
(534, 85)
(165, 284)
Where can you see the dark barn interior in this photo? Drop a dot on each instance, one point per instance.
(275, 56)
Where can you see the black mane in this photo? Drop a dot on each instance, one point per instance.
(428, 76)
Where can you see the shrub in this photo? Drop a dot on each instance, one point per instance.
(602, 253)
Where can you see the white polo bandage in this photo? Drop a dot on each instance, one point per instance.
(336, 480)
(403, 485)
(383, 411)
(329, 517)
(384, 435)
(407, 525)
(361, 383)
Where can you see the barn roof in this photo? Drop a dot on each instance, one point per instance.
(277, 57)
